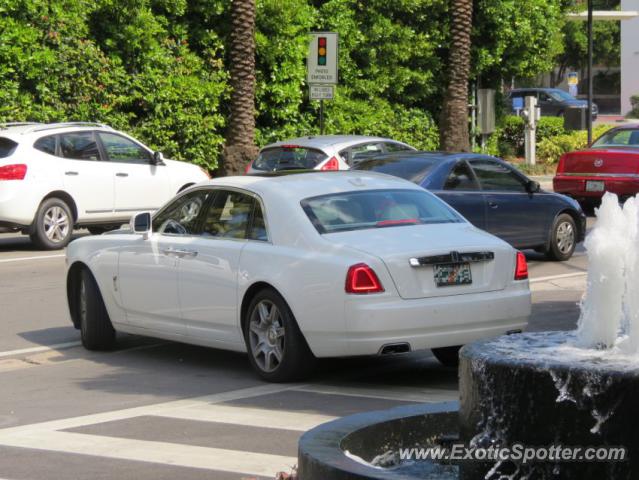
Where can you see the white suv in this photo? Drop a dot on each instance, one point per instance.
(54, 177)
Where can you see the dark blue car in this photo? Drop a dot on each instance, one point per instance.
(493, 196)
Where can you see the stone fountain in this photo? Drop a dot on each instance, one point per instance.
(570, 389)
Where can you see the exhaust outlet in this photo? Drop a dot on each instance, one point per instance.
(394, 348)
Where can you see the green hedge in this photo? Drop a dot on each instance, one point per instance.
(510, 134)
(550, 149)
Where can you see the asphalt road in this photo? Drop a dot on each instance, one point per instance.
(159, 410)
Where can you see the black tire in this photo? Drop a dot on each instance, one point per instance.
(53, 225)
(563, 238)
(447, 356)
(95, 326)
(296, 359)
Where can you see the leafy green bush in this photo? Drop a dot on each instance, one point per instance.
(510, 135)
(551, 149)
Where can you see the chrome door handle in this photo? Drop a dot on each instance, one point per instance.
(71, 173)
(493, 205)
(121, 174)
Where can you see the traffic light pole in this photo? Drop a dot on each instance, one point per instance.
(321, 117)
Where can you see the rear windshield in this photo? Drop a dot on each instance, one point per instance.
(412, 169)
(288, 158)
(376, 209)
(7, 147)
(618, 138)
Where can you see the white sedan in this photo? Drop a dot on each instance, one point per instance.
(297, 267)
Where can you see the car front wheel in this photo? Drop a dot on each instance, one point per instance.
(563, 238)
(53, 225)
(276, 347)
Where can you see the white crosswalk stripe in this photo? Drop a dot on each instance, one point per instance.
(54, 436)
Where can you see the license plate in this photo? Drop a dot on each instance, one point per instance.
(447, 274)
(594, 186)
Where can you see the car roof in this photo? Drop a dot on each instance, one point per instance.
(18, 130)
(298, 186)
(429, 155)
(335, 141)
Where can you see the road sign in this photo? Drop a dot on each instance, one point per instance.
(321, 64)
(573, 78)
(322, 92)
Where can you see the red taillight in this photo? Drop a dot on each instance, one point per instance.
(247, 168)
(521, 268)
(361, 279)
(13, 172)
(332, 164)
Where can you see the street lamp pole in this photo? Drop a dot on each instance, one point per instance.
(590, 89)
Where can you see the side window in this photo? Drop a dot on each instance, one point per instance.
(461, 178)
(46, 144)
(544, 97)
(258, 226)
(181, 216)
(363, 152)
(395, 147)
(497, 177)
(229, 215)
(79, 146)
(122, 150)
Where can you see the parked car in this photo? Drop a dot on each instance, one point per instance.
(323, 152)
(55, 177)
(493, 196)
(294, 267)
(553, 102)
(610, 164)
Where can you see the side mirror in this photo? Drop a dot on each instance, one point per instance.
(532, 186)
(158, 158)
(141, 223)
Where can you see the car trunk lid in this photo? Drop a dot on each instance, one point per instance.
(412, 254)
(600, 162)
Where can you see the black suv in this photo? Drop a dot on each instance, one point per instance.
(552, 101)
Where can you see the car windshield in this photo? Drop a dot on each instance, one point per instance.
(288, 157)
(618, 138)
(411, 169)
(376, 209)
(561, 95)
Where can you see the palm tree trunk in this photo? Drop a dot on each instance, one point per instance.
(454, 117)
(240, 148)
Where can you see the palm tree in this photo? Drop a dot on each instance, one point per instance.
(240, 146)
(454, 117)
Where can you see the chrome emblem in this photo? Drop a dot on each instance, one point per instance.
(598, 162)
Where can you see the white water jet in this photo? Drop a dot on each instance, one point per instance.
(601, 307)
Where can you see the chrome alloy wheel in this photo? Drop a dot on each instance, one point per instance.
(56, 224)
(565, 237)
(266, 336)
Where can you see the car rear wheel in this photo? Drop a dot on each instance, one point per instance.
(276, 347)
(447, 356)
(53, 225)
(95, 326)
(563, 238)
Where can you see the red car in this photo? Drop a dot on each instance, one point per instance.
(611, 164)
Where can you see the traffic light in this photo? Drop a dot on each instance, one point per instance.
(321, 50)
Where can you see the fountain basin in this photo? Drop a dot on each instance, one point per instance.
(536, 389)
(322, 450)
